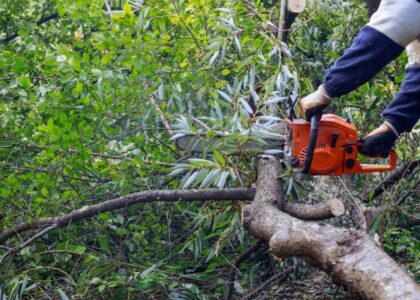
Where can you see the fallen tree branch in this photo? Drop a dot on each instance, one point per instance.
(234, 194)
(241, 258)
(350, 256)
(394, 177)
(326, 209)
(121, 202)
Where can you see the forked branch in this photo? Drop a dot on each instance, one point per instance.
(350, 256)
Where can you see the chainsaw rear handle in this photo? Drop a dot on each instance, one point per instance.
(368, 168)
(312, 143)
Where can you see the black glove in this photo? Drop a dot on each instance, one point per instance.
(379, 141)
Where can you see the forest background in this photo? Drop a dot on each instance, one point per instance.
(91, 93)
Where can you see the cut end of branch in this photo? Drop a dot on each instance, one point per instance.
(247, 214)
(323, 210)
(337, 207)
(296, 6)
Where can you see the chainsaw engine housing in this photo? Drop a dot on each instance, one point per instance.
(336, 150)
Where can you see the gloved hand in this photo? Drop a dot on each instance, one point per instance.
(313, 103)
(380, 140)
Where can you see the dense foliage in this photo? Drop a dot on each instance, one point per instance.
(91, 93)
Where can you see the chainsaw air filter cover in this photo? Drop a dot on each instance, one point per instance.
(336, 148)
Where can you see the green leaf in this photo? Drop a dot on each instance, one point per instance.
(24, 82)
(79, 249)
(219, 157)
(148, 271)
(238, 288)
(121, 231)
(127, 8)
(225, 72)
(79, 87)
(211, 177)
(222, 180)
(107, 57)
(62, 294)
(99, 85)
(190, 179)
(201, 162)
(225, 96)
(44, 192)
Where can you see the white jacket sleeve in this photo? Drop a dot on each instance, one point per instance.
(398, 19)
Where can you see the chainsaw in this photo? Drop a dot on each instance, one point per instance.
(327, 145)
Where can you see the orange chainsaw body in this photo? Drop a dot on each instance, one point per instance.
(336, 150)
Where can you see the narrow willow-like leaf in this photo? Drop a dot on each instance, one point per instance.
(190, 179)
(246, 106)
(222, 181)
(99, 86)
(254, 94)
(219, 157)
(225, 96)
(213, 57)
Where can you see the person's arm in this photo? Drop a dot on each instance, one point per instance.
(404, 110)
(389, 31)
(402, 113)
(391, 28)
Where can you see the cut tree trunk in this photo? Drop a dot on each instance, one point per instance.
(350, 256)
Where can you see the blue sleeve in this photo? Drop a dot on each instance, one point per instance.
(370, 52)
(404, 111)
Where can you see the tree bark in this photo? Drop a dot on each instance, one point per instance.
(350, 256)
(320, 211)
(294, 8)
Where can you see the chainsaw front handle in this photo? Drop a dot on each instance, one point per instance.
(312, 143)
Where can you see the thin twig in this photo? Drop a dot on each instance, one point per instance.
(39, 22)
(108, 8)
(393, 178)
(28, 242)
(241, 258)
(278, 276)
